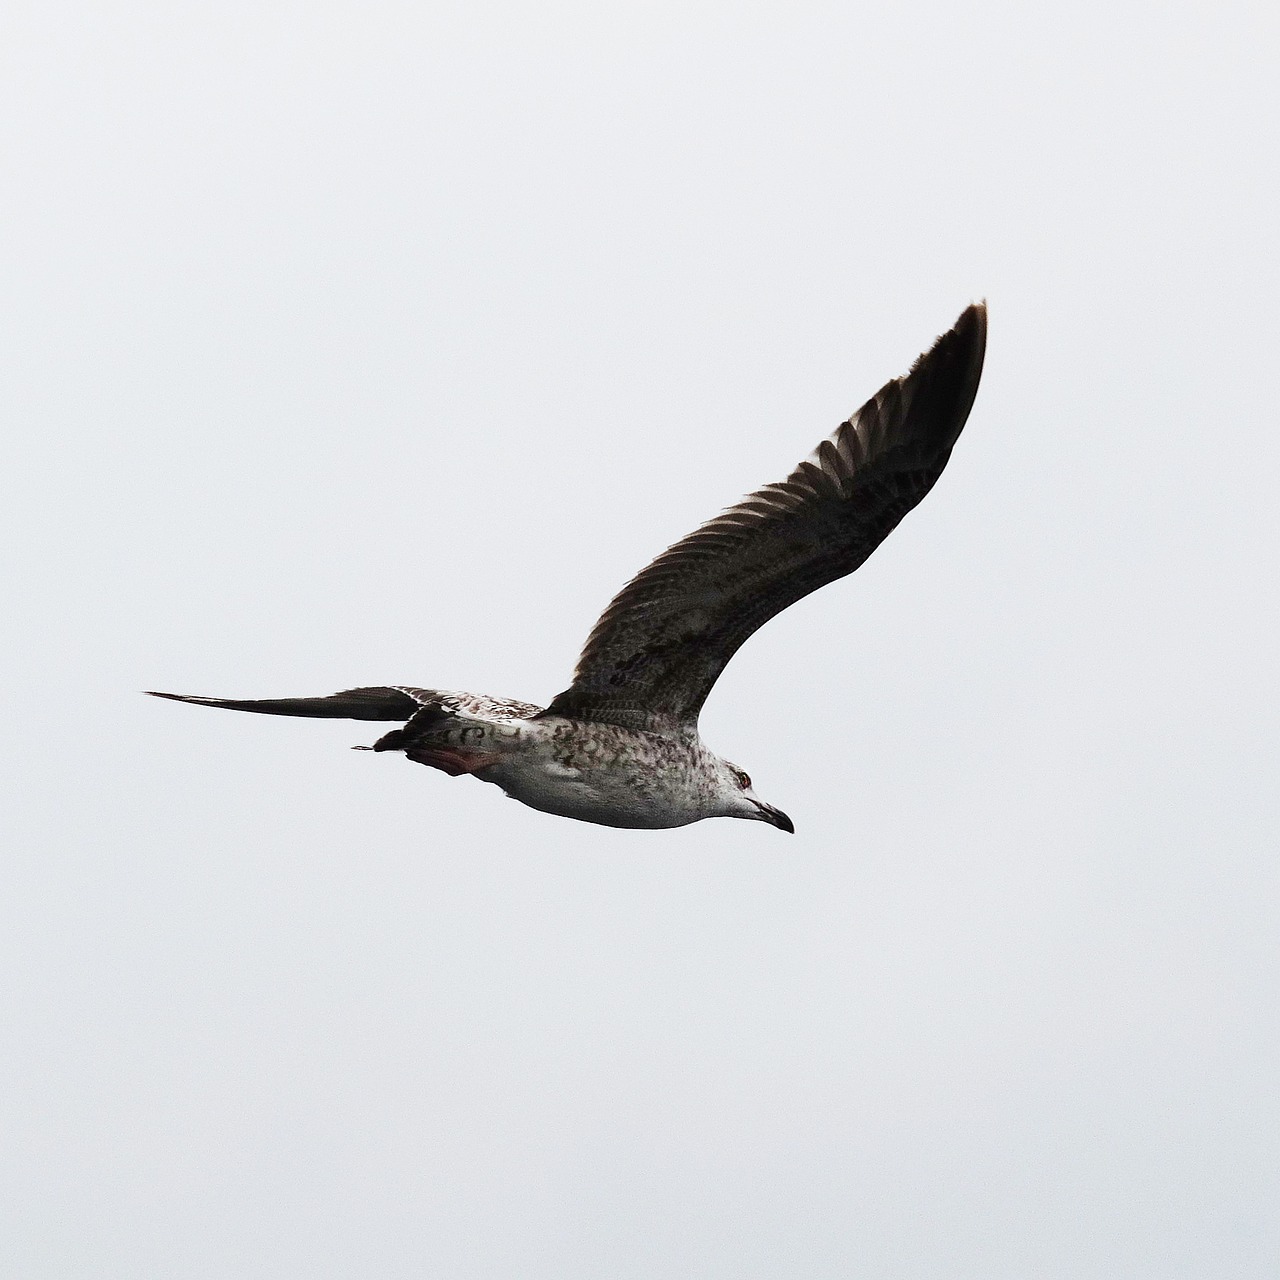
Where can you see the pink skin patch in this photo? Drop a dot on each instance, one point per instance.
(452, 761)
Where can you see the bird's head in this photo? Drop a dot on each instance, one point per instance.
(742, 802)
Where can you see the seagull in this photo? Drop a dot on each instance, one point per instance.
(620, 746)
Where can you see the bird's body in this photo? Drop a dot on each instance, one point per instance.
(620, 746)
(594, 772)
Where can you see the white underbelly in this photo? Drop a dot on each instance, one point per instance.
(604, 799)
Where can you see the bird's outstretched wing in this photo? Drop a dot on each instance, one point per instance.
(382, 702)
(665, 638)
(397, 702)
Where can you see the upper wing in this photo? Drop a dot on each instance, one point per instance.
(390, 702)
(395, 702)
(663, 641)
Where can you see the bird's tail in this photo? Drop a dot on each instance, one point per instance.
(380, 703)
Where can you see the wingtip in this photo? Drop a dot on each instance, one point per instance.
(193, 698)
(976, 315)
(968, 334)
(972, 324)
(946, 378)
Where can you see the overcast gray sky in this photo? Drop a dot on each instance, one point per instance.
(352, 344)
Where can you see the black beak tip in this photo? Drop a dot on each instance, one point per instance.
(782, 822)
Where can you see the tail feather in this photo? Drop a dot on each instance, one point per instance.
(374, 703)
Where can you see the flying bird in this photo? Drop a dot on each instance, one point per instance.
(620, 746)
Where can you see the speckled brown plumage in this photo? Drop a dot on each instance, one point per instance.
(620, 746)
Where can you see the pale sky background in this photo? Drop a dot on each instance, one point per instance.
(350, 344)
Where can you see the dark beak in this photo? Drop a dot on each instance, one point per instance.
(777, 818)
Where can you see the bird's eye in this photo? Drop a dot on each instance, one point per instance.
(743, 781)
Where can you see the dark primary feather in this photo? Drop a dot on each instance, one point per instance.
(423, 707)
(665, 638)
(350, 704)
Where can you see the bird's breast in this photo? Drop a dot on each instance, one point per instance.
(602, 774)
